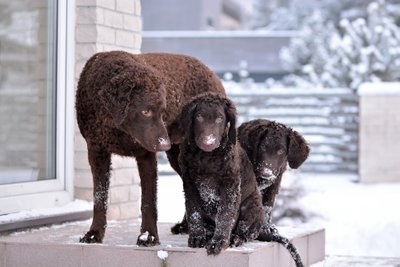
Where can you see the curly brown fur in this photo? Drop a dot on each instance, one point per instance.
(223, 204)
(270, 147)
(128, 105)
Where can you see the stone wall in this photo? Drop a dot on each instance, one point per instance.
(104, 25)
(379, 148)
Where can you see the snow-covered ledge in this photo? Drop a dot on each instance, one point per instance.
(379, 89)
(58, 246)
(379, 130)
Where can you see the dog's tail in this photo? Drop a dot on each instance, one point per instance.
(274, 236)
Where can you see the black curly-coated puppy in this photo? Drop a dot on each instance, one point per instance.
(270, 146)
(223, 204)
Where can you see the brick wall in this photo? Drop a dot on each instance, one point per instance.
(379, 148)
(104, 25)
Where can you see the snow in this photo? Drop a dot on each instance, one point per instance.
(74, 206)
(163, 255)
(145, 236)
(372, 89)
(163, 141)
(360, 220)
(210, 139)
(359, 49)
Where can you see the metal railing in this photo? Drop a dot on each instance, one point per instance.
(327, 118)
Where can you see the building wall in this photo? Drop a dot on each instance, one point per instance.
(104, 25)
(379, 147)
(178, 15)
(225, 49)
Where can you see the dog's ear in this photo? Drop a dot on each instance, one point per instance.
(249, 136)
(186, 117)
(116, 96)
(230, 112)
(298, 149)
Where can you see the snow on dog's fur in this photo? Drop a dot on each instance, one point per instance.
(223, 204)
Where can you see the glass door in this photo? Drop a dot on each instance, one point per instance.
(27, 91)
(32, 99)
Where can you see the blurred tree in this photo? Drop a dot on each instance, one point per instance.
(367, 50)
(291, 14)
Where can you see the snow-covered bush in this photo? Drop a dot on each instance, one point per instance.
(290, 14)
(366, 50)
(308, 54)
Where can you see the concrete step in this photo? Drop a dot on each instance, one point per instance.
(58, 246)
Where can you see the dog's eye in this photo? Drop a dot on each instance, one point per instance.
(199, 118)
(147, 113)
(218, 120)
(280, 152)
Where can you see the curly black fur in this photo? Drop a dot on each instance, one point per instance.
(223, 204)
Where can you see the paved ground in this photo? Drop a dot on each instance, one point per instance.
(351, 261)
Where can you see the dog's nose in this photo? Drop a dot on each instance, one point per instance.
(164, 144)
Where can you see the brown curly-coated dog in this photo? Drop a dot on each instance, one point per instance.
(128, 105)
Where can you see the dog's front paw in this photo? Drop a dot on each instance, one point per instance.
(147, 240)
(215, 246)
(197, 241)
(92, 237)
(236, 241)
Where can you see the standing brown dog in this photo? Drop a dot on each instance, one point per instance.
(128, 105)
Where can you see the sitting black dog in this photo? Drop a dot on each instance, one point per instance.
(223, 203)
(270, 146)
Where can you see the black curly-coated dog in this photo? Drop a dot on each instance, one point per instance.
(270, 146)
(223, 203)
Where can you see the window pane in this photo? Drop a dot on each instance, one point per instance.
(27, 90)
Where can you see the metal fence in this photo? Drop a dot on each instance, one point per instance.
(327, 118)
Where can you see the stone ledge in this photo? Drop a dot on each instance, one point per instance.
(58, 246)
(379, 89)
